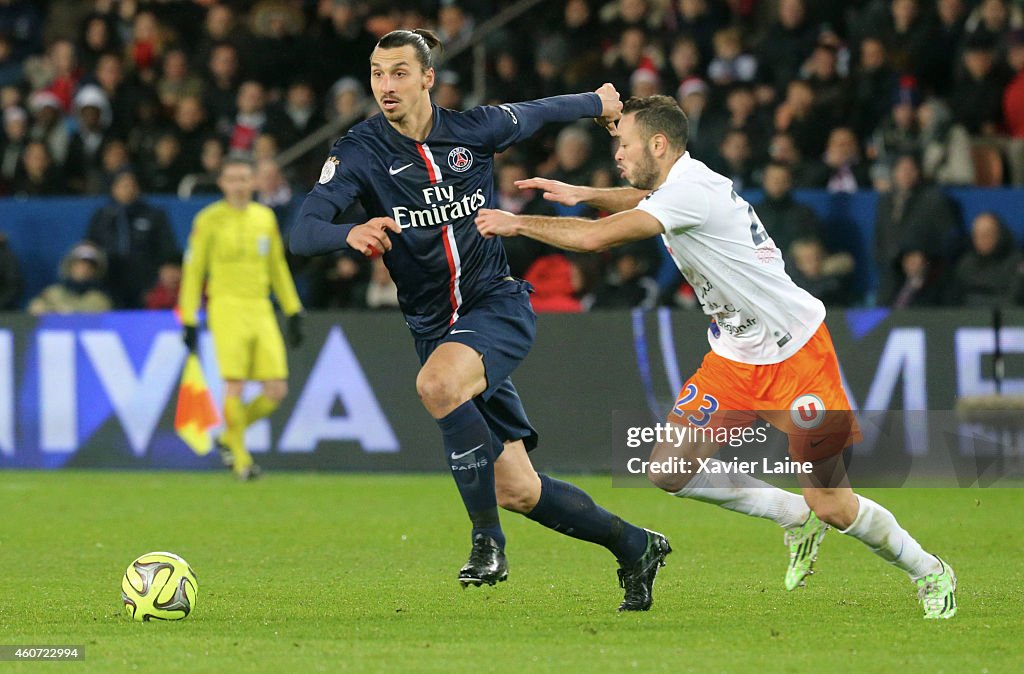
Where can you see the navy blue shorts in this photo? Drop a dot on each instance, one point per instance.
(501, 328)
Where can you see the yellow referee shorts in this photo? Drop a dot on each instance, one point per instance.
(247, 339)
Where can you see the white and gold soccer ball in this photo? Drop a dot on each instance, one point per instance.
(159, 586)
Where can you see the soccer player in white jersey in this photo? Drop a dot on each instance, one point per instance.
(771, 354)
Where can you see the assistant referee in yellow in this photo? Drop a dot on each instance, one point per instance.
(236, 243)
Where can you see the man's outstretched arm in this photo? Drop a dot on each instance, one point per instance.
(576, 234)
(315, 234)
(610, 199)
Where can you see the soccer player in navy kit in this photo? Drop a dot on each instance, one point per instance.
(421, 173)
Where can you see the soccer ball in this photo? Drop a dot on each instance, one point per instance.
(159, 586)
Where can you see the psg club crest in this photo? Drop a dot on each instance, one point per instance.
(460, 159)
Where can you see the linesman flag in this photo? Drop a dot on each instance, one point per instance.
(196, 413)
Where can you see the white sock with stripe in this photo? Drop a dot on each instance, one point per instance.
(746, 494)
(878, 529)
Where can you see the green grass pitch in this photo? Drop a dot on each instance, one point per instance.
(355, 573)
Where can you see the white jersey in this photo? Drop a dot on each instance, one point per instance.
(759, 316)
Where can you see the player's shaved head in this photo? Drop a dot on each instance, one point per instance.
(422, 41)
(659, 114)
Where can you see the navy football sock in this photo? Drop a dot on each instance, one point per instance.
(569, 510)
(470, 455)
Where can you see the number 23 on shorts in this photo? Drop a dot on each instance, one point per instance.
(708, 406)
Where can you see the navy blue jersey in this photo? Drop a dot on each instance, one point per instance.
(432, 189)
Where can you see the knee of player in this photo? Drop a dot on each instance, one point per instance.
(829, 507)
(436, 390)
(667, 468)
(276, 390)
(666, 481)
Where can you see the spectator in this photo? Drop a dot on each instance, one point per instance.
(521, 250)
(631, 52)
(947, 156)
(905, 30)
(683, 62)
(871, 87)
(644, 82)
(48, 125)
(347, 99)
(340, 39)
(10, 65)
(782, 149)
(734, 161)
(556, 282)
(787, 44)
(122, 97)
(297, 116)
(920, 281)
(164, 293)
(191, 131)
(220, 27)
(37, 176)
(801, 118)
(221, 84)
(692, 97)
(898, 133)
(135, 238)
(12, 145)
(10, 277)
(741, 114)
(1013, 105)
(978, 91)
(947, 38)
(163, 172)
(250, 117)
(447, 91)
(114, 159)
(83, 166)
(821, 71)
(731, 64)
(844, 170)
(826, 277)
(626, 284)
(145, 47)
(273, 190)
(993, 20)
(987, 272)
(276, 46)
(572, 163)
(340, 283)
(98, 38)
(699, 19)
(381, 291)
(78, 290)
(913, 218)
(784, 218)
(176, 81)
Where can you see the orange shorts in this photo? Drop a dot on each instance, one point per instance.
(802, 396)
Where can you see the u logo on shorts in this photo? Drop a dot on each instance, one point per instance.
(807, 411)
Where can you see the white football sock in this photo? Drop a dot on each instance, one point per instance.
(878, 529)
(746, 494)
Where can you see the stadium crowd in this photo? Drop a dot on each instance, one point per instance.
(127, 98)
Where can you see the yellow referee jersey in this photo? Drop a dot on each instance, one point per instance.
(241, 251)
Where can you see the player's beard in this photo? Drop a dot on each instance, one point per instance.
(645, 175)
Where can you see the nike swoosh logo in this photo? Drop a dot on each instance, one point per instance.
(455, 332)
(815, 444)
(466, 453)
(396, 171)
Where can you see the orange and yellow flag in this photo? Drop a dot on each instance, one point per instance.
(196, 413)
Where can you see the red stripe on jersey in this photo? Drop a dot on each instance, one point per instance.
(452, 273)
(428, 160)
